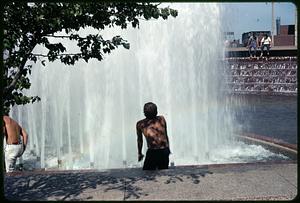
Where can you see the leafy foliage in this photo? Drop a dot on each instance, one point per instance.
(27, 25)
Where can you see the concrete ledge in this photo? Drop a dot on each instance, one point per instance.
(281, 48)
(274, 51)
(238, 181)
(251, 181)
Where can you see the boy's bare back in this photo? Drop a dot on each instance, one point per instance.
(12, 130)
(154, 131)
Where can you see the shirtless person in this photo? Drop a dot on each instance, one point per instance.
(15, 144)
(154, 129)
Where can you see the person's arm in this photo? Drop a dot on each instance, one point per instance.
(139, 142)
(166, 132)
(25, 137)
(249, 42)
(4, 131)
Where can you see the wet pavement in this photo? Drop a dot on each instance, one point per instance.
(248, 181)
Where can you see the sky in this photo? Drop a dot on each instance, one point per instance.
(245, 17)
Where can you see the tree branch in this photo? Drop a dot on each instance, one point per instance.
(58, 36)
(63, 36)
(16, 78)
(43, 55)
(19, 72)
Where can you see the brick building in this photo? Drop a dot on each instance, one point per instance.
(285, 36)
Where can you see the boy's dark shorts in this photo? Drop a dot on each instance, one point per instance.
(157, 159)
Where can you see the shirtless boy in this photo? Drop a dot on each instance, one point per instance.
(154, 129)
(16, 141)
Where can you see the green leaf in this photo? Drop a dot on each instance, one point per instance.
(27, 26)
(126, 45)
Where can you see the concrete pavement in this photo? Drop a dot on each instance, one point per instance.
(250, 181)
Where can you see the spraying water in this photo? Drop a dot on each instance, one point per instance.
(87, 114)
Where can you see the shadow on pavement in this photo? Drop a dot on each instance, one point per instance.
(70, 185)
(170, 176)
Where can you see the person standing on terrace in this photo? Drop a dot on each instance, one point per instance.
(265, 43)
(252, 45)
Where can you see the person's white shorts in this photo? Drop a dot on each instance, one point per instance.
(11, 153)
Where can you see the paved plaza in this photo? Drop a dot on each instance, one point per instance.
(249, 181)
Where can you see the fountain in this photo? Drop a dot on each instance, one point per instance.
(87, 114)
(278, 76)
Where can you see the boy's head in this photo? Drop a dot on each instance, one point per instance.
(150, 110)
